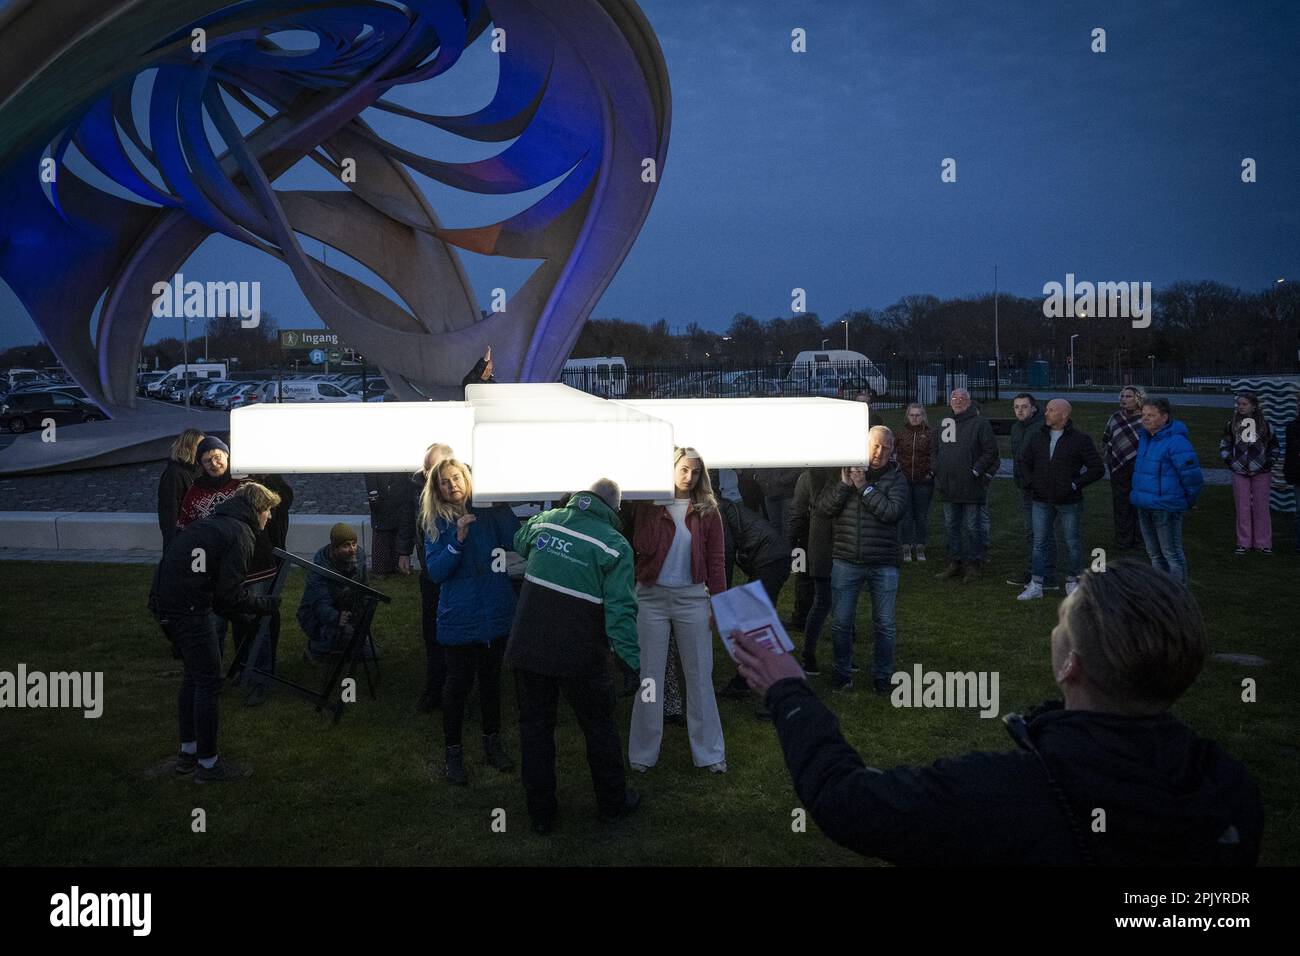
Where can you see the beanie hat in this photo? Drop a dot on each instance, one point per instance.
(342, 533)
(210, 443)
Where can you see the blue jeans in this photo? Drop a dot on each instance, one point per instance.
(1027, 516)
(1162, 533)
(846, 584)
(915, 526)
(956, 518)
(1044, 517)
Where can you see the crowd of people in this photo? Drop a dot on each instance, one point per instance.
(597, 574)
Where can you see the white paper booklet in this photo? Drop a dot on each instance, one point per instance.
(747, 609)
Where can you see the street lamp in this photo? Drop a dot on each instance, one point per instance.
(824, 341)
(846, 333)
(1072, 338)
(1153, 369)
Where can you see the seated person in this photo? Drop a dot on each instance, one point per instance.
(326, 604)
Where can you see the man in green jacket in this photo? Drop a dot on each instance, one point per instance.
(1028, 423)
(578, 599)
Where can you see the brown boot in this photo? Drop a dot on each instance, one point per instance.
(950, 573)
(971, 573)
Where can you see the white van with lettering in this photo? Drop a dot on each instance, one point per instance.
(300, 391)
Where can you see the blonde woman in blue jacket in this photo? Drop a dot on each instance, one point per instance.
(475, 605)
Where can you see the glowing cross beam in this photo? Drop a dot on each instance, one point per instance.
(532, 442)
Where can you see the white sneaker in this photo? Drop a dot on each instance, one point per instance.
(1070, 585)
(920, 552)
(907, 553)
(719, 767)
(1033, 590)
(639, 767)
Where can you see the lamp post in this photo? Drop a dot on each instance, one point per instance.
(1072, 338)
(1153, 369)
(846, 333)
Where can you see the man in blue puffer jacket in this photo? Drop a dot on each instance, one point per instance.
(464, 552)
(1166, 482)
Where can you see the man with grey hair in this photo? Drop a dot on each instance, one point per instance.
(578, 599)
(1058, 463)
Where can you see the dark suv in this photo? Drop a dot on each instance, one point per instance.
(24, 410)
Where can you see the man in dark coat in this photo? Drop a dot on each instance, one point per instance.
(866, 506)
(203, 571)
(392, 516)
(962, 458)
(1109, 778)
(481, 373)
(1028, 423)
(1058, 463)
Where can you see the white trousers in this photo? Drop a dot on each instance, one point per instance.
(683, 612)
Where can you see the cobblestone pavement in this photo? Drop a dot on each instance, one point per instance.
(135, 488)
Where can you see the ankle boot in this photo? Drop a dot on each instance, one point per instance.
(954, 570)
(496, 754)
(454, 768)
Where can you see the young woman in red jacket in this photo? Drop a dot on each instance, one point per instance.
(680, 561)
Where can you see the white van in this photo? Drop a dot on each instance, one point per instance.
(603, 375)
(194, 372)
(834, 373)
(308, 391)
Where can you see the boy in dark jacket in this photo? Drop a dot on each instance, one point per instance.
(1057, 464)
(326, 605)
(866, 506)
(1129, 643)
(203, 571)
(1028, 423)
(964, 453)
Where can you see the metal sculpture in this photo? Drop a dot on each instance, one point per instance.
(582, 99)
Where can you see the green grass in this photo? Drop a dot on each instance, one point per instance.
(81, 792)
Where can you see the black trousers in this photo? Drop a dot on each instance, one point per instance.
(435, 660)
(592, 700)
(773, 577)
(1126, 529)
(464, 662)
(804, 592)
(196, 639)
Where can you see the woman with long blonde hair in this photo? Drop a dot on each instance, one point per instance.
(680, 561)
(182, 468)
(476, 605)
(435, 659)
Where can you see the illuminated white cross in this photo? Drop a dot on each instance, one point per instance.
(535, 442)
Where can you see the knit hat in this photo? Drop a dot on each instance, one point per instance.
(210, 443)
(342, 533)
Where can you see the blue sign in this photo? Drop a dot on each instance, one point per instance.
(317, 356)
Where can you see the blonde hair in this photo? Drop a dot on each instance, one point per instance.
(433, 505)
(702, 497)
(185, 445)
(925, 416)
(259, 496)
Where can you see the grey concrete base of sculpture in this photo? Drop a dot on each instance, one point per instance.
(145, 436)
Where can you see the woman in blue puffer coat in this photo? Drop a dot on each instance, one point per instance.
(476, 604)
(1166, 482)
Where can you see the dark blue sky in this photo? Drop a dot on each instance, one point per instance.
(822, 169)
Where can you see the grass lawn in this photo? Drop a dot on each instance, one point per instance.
(78, 791)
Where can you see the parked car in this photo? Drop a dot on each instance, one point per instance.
(743, 385)
(145, 379)
(73, 390)
(244, 393)
(23, 410)
(213, 396)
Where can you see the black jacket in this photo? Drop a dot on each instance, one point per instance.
(961, 466)
(172, 485)
(1170, 797)
(865, 524)
(1060, 478)
(226, 540)
(475, 375)
(809, 530)
(276, 532)
(756, 543)
(391, 505)
(1291, 457)
(1022, 433)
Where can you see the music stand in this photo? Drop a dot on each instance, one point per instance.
(345, 660)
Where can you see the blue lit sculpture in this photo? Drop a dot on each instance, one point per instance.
(582, 99)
